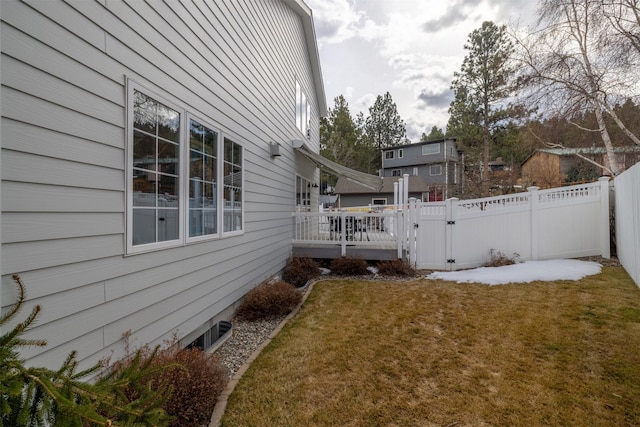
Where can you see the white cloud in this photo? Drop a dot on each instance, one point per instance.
(409, 48)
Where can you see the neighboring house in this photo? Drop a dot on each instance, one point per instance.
(433, 167)
(148, 175)
(352, 194)
(554, 167)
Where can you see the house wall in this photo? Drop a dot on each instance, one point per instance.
(542, 170)
(412, 158)
(64, 73)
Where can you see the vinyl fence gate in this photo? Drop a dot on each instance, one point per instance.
(567, 222)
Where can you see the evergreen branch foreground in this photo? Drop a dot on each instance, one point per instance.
(37, 396)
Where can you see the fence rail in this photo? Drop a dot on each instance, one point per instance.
(361, 229)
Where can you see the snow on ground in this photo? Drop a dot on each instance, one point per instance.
(524, 272)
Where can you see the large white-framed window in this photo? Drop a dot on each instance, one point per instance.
(389, 154)
(175, 164)
(154, 197)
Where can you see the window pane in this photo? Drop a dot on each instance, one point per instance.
(211, 143)
(196, 166)
(196, 224)
(144, 190)
(167, 224)
(144, 226)
(168, 123)
(209, 169)
(168, 157)
(144, 151)
(144, 113)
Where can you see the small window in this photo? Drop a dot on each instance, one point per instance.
(415, 171)
(389, 154)
(378, 202)
(400, 153)
(435, 170)
(396, 172)
(430, 149)
(232, 186)
(203, 180)
(303, 111)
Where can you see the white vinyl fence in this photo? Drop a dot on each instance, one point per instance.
(627, 202)
(565, 222)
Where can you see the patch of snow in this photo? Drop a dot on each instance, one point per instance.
(324, 271)
(372, 269)
(524, 272)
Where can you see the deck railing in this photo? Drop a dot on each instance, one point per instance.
(362, 229)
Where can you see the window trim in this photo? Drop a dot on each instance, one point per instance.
(435, 166)
(389, 155)
(400, 153)
(146, 247)
(183, 176)
(396, 172)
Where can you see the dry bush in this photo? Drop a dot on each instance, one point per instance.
(299, 271)
(349, 267)
(395, 267)
(499, 259)
(195, 377)
(195, 388)
(270, 298)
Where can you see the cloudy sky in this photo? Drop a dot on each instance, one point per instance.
(409, 48)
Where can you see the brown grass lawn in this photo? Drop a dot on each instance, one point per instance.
(435, 353)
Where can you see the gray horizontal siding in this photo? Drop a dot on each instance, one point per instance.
(64, 71)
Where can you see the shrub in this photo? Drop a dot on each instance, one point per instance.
(195, 388)
(271, 298)
(349, 267)
(195, 377)
(299, 271)
(499, 259)
(395, 267)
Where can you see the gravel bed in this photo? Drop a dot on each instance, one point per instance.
(246, 337)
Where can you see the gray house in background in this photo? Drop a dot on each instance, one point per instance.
(434, 169)
(148, 175)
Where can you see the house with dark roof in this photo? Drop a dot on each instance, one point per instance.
(434, 169)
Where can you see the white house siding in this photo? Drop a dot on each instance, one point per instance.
(64, 72)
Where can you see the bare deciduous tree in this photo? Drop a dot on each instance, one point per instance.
(571, 63)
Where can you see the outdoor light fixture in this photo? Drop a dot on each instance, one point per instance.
(274, 149)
